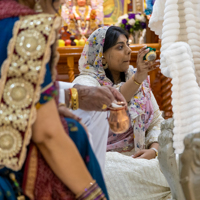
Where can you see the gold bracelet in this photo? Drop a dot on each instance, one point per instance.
(74, 98)
(135, 80)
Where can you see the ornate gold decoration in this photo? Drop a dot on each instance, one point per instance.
(36, 22)
(31, 175)
(10, 142)
(18, 93)
(45, 29)
(32, 38)
(18, 118)
(30, 44)
(14, 66)
(38, 7)
(86, 12)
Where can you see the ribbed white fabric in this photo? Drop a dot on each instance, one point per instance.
(134, 179)
(180, 60)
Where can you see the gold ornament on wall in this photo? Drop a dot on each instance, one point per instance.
(138, 6)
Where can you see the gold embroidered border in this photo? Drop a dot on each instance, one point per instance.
(51, 40)
(36, 20)
(32, 173)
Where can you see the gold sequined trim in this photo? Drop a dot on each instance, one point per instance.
(22, 73)
(10, 144)
(30, 44)
(31, 173)
(18, 93)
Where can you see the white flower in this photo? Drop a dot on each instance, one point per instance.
(119, 21)
(131, 22)
(141, 18)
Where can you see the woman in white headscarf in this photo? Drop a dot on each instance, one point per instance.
(105, 61)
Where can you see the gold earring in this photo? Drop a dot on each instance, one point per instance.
(38, 7)
(105, 65)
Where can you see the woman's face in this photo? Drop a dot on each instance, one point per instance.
(118, 57)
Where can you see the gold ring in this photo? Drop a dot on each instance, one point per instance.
(104, 106)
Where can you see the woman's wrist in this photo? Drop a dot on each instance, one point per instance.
(155, 150)
(140, 77)
(135, 81)
(154, 145)
(93, 191)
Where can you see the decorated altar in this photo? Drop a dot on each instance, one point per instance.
(161, 85)
(82, 17)
(132, 15)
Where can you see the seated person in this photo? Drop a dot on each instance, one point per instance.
(91, 100)
(59, 162)
(105, 61)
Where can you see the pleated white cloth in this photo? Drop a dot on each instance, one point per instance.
(134, 179)
(177, 22)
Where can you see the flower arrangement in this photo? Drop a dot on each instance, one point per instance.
(132, 22)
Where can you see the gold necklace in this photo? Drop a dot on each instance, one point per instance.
(86, 12)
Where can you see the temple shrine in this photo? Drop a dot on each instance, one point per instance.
(81, 17)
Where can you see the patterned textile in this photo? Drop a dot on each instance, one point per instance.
(6, 190)
(48, 88)
(141, 114)
(34, 161)
(90, 62)
(134, 179)
(10, 8)
(140, 106)
(50, 187)
(22, 74)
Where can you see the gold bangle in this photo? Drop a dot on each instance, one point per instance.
(135, 80)
(74, 98)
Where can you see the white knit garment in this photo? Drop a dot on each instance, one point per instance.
(177, 22)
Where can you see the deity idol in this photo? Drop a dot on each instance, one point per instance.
(81, 11)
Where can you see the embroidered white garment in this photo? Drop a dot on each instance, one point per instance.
(180, 60)
(137, 179)
(134, 179)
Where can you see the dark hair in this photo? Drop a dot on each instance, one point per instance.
(111, 38)
(56, 11)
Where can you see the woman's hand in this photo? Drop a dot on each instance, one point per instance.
(145, 154)
(143, 67)
(65, 112)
